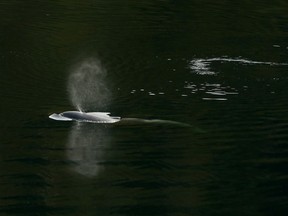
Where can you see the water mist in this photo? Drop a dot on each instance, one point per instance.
(87, 86)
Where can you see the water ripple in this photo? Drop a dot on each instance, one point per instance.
(203, 66)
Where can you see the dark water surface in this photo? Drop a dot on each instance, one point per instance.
(221, 67)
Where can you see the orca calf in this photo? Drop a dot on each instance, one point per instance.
(94, 117)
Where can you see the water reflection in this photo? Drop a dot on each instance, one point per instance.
(202, 66)
(86, 148)
(212, 91)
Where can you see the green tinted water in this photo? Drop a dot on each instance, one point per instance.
(220, 67)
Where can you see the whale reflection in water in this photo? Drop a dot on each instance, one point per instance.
(87, 143)
(105, 118)
(86, 148)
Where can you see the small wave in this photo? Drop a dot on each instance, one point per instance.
(217, 99)
(214, 91)
(245, 61)
(202, 66)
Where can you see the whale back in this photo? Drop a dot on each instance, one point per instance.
(94, 117)
(97, 117)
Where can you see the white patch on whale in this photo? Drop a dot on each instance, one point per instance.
(94, 117)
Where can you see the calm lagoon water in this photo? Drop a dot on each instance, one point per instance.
(220, 67)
